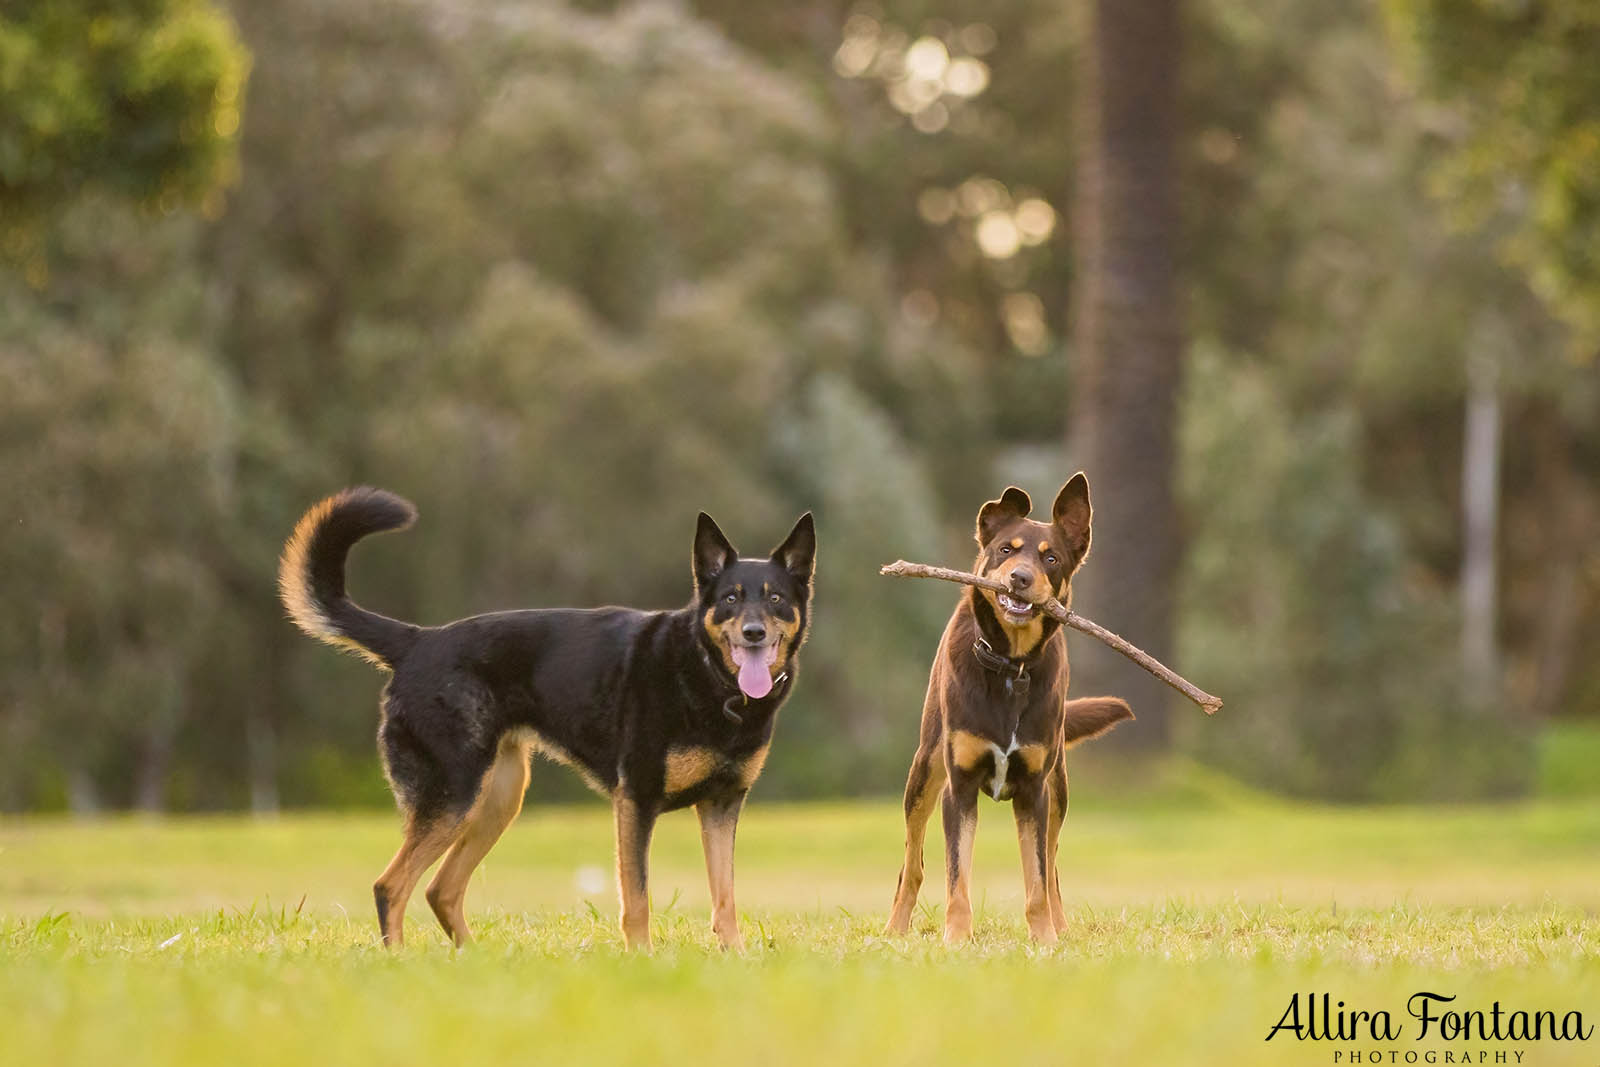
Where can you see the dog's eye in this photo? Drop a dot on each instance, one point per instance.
(1005, 550)
(775, 598)
(1050, 559)
(732, 598)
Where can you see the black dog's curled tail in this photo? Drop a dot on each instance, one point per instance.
(311, 574)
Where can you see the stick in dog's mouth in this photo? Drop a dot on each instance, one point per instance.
(1060, 612)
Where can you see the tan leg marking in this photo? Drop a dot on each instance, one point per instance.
(1058, 815)
(633, 844)
(688, 767)
(499, 801)
(967, 749)
(1033, 756)
(718, 820)
(392, 890)
(920, 801)
(750, 769)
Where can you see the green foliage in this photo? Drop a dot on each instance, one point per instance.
(120, 433)
(566, 274)
(1298, 601)
(1521, 157)
(139, 98)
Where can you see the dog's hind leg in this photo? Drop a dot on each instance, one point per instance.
(635, 823)
(1057, 789)
(425, 842)
(922, 792)
(499, 800)
(719, 817)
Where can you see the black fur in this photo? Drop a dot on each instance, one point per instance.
(611, 691)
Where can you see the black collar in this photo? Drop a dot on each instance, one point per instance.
(1013, 671)
(738, 698)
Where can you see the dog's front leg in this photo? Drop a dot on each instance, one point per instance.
(635, 823)
(719, 817)
(960, 809)
(1030, 804)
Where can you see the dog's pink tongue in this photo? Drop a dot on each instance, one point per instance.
(755, 669)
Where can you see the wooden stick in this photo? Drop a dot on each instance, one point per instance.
(1056, 610)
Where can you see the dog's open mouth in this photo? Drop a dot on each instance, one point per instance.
(754, 663)
(1015, 611)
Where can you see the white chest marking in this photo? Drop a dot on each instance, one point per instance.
(1001, 758)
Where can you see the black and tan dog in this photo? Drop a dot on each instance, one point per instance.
(996, 718)
(656, 709)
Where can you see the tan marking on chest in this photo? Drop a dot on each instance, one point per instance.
(1024, 639)
(688, 767)
(750, 769)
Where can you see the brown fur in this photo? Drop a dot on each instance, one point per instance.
(974, 728)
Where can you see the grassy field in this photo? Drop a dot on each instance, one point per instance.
(1196, 916)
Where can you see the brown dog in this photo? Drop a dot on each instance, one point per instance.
(996, 718)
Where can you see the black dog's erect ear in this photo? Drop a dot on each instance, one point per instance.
(1071, 513)
(712, 552)
(798, 553)
(1013, 504)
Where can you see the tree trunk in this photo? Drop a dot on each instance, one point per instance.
(261, 753)
(83, 795)
(1480, 512)
(1127, 344)
(163, 717)
(155, 763)
(263, 723)
(1565, 499)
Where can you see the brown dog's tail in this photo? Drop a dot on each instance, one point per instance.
(1088, 718)
(311, 574)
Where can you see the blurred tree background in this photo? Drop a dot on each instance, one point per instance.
(567, 273)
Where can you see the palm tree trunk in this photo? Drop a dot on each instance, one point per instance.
(1128, 344)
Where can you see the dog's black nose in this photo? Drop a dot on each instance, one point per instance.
(1021, 578)
(754, 631)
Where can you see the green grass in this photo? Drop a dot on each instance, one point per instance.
(1569, 760)
(226, 940)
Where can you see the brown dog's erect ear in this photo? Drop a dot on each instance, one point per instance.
(1072, 513)
(1013, 504)
(712, 552)
(798, 553)
(1086, 719)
